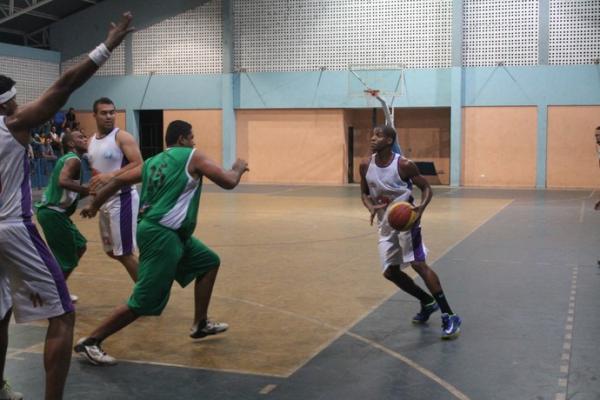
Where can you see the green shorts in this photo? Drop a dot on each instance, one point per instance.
(62, 236)
(164, 258)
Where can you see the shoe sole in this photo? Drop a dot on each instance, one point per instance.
(200, 335)
(80, 349)
(453, 336)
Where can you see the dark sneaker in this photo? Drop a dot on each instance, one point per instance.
(208, 328)
(426, 310)
(450, 326)
(94, 353)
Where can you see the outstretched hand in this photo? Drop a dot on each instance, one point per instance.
(89, 211)
(240, 165)
(118, 31)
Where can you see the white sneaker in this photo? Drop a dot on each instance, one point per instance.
(94, 353)
(208, 328)
(6, 393)
(74, 298)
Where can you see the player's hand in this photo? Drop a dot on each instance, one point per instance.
(118, 31)
(419, 210)
(98, 181)
(374, 209)
(240, 165)
(89, 211)
(597, 206)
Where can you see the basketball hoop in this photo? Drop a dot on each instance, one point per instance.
(372, 92)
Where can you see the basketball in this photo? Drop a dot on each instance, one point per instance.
(401, 216)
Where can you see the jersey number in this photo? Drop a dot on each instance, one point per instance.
(157, 177)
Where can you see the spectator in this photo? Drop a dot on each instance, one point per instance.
(30, 154)
(59, 121)
(55, 142)
(47, 152)
(70, 119)
(36, 146)
(45, 128)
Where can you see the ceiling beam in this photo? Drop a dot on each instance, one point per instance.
(12, 31)
(89, 1)
(15, 12)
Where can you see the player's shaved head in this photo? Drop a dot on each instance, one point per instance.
(387, 131)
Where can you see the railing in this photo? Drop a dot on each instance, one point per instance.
(41, 170)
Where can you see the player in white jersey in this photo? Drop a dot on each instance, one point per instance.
(387, 177)
(110, 152)
(31, 282)
(597, 134)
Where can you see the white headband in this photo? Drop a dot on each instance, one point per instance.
(6, 96)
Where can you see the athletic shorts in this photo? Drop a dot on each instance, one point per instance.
(118, 221)
(400, 248)
(30, 279)
(164, 258)
(62, 236)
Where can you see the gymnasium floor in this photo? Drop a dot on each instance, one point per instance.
(312, 318)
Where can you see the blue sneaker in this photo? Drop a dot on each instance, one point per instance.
(426, 310)
(450, 326)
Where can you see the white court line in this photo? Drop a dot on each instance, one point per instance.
(234, 371)
(563, 381)
(346, 330)
(446, 385)
(267, 389)
(581, 211)
(31, 349)
(450, 388)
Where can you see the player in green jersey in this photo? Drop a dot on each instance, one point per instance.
(171, 187)
(59, 202)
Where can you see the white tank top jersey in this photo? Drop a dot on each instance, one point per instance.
(15, 186)
(105, 155)
(385, 184)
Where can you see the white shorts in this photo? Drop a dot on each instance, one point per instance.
(31, 280)
(400, 248)
(118, 223)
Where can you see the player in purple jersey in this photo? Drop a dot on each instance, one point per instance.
(31, 282)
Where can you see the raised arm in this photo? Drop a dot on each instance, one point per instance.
(389, 119)
(227, 179)
(42, 109)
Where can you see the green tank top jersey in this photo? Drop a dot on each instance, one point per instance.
(56, 197)
(170, 196)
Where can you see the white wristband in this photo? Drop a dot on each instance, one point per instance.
(100, 54)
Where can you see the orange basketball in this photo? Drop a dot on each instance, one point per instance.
(401, 216)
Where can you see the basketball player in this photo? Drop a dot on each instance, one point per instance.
(110, 152)
(59, 202)
(31, 282)
(388, 177)
(171, 187)
(597, 134)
